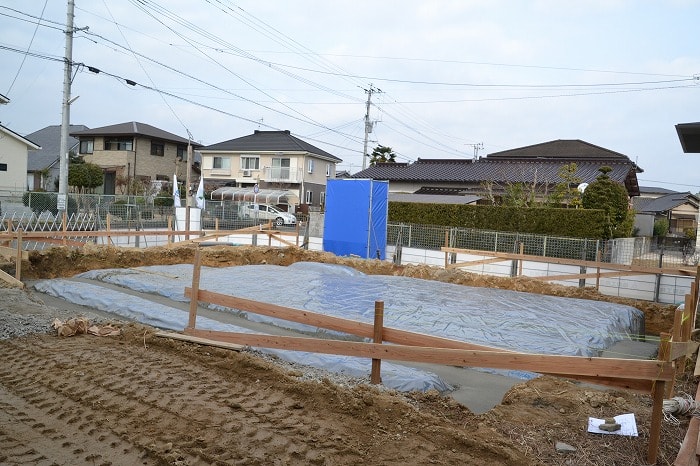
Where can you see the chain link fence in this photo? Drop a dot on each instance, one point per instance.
(641, 251)
(38, 211)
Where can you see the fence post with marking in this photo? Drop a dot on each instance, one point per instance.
(376, 375)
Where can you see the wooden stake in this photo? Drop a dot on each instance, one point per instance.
(170, 227)
(18, 260)
(376, 375)
(194, 297)
(656, 417)
(520, 261)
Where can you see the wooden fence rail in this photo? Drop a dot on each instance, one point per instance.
(650, 376)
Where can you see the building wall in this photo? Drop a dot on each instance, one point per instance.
(13, 157)
(138, 162)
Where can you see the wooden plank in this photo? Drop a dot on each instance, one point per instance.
(375, 374)
(557, 365)
(6, 277)
(596, 275)
(556, 260)
(198, 340)
(12, 252)
(656, 418)
(683, 349)
(192, 322)
(687, 454)
(475, 262)
(361, 329)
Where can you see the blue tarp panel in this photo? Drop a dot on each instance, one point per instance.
(356, 217)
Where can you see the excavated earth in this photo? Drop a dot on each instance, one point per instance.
(140, 399)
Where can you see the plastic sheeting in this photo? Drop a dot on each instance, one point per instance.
(356, 217)
(511, 320)
(165, 317)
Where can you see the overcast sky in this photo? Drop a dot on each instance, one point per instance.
(450, 79)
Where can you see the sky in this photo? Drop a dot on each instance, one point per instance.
(444, 79)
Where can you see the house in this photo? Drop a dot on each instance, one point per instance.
(268, 162)
(13, 160)
(679, 209)
(43, 168)
(689, 136)
(134, 151)
(538, 166)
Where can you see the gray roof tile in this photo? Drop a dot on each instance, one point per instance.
(134, 128)
(49, 139)
(270, 141)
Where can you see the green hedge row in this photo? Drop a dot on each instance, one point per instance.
(576, 223)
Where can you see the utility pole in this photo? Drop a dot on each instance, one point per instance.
(368, 124)
(477, 147)
(62, 199)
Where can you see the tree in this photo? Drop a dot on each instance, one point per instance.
(85, 177)
(566, 192)
(612, 197)
(382, 154)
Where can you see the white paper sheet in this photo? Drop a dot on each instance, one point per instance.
(627, 422)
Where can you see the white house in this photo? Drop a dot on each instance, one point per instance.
(13, 160)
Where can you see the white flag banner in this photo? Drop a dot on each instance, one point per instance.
(176, 193)
(200, 194)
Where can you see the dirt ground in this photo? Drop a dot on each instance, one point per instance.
(140, 399)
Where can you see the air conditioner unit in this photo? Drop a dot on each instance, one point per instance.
(247, 173)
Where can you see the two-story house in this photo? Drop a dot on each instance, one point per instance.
(133, 151)
(271, 161)
(13, 160)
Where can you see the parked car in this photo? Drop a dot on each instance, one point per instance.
(268, 212)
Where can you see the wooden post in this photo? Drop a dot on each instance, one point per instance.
(109, 228)
(216, 224)
(520, 266)
(597, 273)
(665, 354)
(656, 417)
(65, 226)
(376, 375)
(297, 231)
(447, 245)
(194, 299)
(18, 265)
(170, 227)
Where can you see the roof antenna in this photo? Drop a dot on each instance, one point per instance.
(476, 147)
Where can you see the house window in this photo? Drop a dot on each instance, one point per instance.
(181, 152)
(87, 146)
(157, 148)
(3, 167)
(322, 198)
(328, 169)
(280, 168)
(119, 144)
(221, 162)
(250, 163)
(309, 197)
(311, 165)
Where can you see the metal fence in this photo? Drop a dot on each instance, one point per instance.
(38, 212)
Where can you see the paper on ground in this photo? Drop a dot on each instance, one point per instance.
(626, 421)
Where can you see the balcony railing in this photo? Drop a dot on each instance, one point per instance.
(283, 175)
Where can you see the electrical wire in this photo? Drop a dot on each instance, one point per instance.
(31, 41)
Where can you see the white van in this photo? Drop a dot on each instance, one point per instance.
(268, 212)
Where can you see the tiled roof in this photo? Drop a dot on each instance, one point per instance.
(541, 171)
(668, 202)
(49, 139)
(539, 163)
(270, 141)
(689, 135)
(655, 190)
(134, 128)
(561, 148)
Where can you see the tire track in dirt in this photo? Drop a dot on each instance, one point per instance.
(148, 408)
